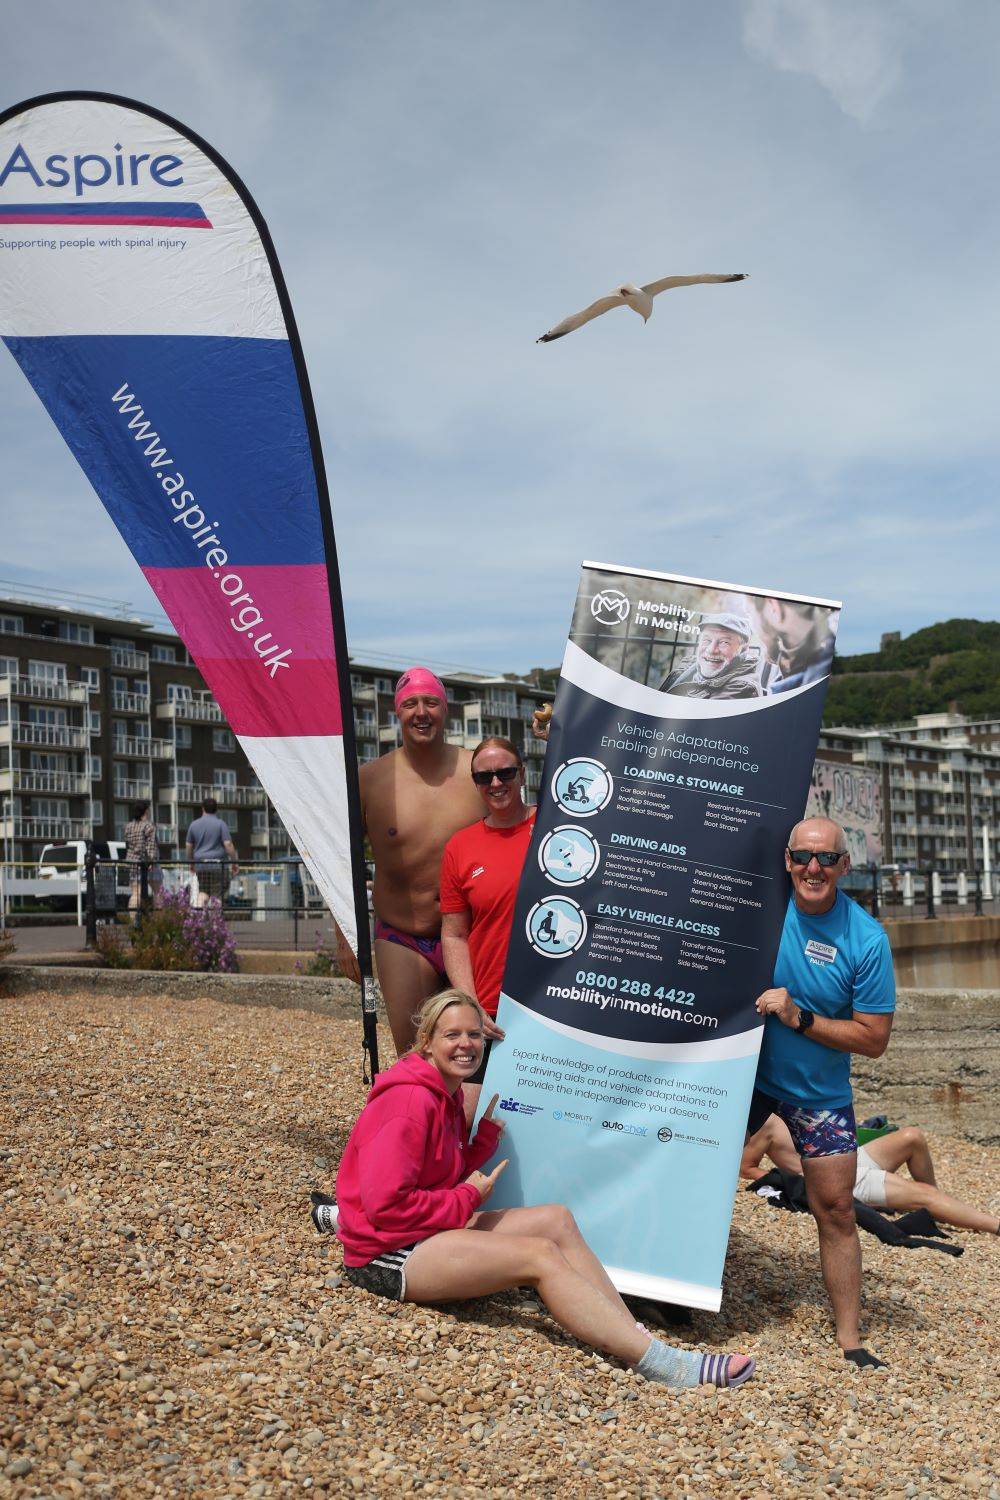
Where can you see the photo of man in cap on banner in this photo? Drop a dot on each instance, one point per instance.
(721, 666)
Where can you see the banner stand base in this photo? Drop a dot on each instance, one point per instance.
(665, 1289)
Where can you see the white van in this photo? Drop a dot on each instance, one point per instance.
(63, 864)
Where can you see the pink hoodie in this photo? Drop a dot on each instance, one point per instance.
(400, 1178)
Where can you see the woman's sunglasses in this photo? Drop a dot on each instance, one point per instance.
(503, 773)
(826, 857)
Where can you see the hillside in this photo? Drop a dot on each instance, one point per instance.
(956, 662)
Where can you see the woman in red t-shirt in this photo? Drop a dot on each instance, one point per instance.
(480, 873)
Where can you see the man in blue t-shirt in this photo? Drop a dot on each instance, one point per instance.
(833, 994)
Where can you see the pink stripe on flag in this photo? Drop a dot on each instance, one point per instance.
(300, 700)
(145, 220)
(215, 609)
(263, 639)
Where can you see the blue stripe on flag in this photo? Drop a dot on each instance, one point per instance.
(225, 413)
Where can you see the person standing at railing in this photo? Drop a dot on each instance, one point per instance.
(141, 854)
(209, 843)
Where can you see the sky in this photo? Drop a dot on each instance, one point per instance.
(445, 181)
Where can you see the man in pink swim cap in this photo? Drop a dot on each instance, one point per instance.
(413, 800)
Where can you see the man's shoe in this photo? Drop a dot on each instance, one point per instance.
(324, 1213)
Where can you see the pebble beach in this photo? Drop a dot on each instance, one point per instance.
(170, 1322)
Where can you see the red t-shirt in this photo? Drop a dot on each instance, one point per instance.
(480, 873)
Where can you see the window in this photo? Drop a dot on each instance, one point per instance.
(94, 721)
(222, 739)
(224, 779)
(164, 814)
(72, 630)
(47, 760)
(9, 666)
(120, 818)
(37, 714)
(179, 692)
(472, 727)
(51, 807)
(182, 735)
(96, 768)
(47, 671)
(258, 820)
(183, 775)
(96, 812)
(119, 684)
(91, 678)
(383, 685)
(11, 625)
(160, 652)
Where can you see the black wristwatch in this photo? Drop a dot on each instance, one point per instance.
(806, 1018)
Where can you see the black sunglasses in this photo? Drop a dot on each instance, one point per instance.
(504, 773)
(826, 857)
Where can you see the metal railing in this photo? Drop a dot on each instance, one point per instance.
(61, 783)
(62, 829)
(52, 736)
(134, 747)
(191, 793)
(130, 703)
(132, 791)
(27, 686)
(196, 710)
(129, 660)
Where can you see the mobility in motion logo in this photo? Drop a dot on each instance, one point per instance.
(610, 607)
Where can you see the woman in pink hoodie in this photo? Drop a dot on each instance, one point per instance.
(409, 1198)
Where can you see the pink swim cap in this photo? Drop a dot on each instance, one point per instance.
(419, 681)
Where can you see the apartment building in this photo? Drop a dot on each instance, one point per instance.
(98, 709)
(940, 788)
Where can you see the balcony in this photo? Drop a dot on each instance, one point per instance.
(194, 711)
(40, 689)
(130, 703)
(363, 694)
(365, 731)
(128, 660)
(53, 830)
(132, 791)
(493, 708)
(57, 783)
(51, 736)
(533, 745)
(166, 833)
(193, 792)
(133, 748)
(259, 839)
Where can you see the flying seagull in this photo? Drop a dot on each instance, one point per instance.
(638, 298)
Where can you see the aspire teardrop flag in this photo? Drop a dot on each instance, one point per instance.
(141, 296)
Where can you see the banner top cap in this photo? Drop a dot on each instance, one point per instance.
(712, 583)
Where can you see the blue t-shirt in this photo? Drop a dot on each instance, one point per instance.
(209, 835)
(833, 965)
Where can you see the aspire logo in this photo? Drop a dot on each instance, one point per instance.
(92, 170)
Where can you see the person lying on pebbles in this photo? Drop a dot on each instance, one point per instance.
(409, 1214)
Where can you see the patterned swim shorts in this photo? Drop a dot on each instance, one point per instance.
(385, 1275)
(819, 1132)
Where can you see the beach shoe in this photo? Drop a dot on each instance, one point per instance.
(324, 1213)
(715, 1370)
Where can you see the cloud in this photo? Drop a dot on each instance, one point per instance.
(851, 47)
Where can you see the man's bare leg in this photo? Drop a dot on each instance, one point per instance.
(407, 980)
(904, 1148)
(830, 1189)
(902, 1194)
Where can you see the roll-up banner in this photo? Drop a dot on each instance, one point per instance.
(650, 911)
(141, 295)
